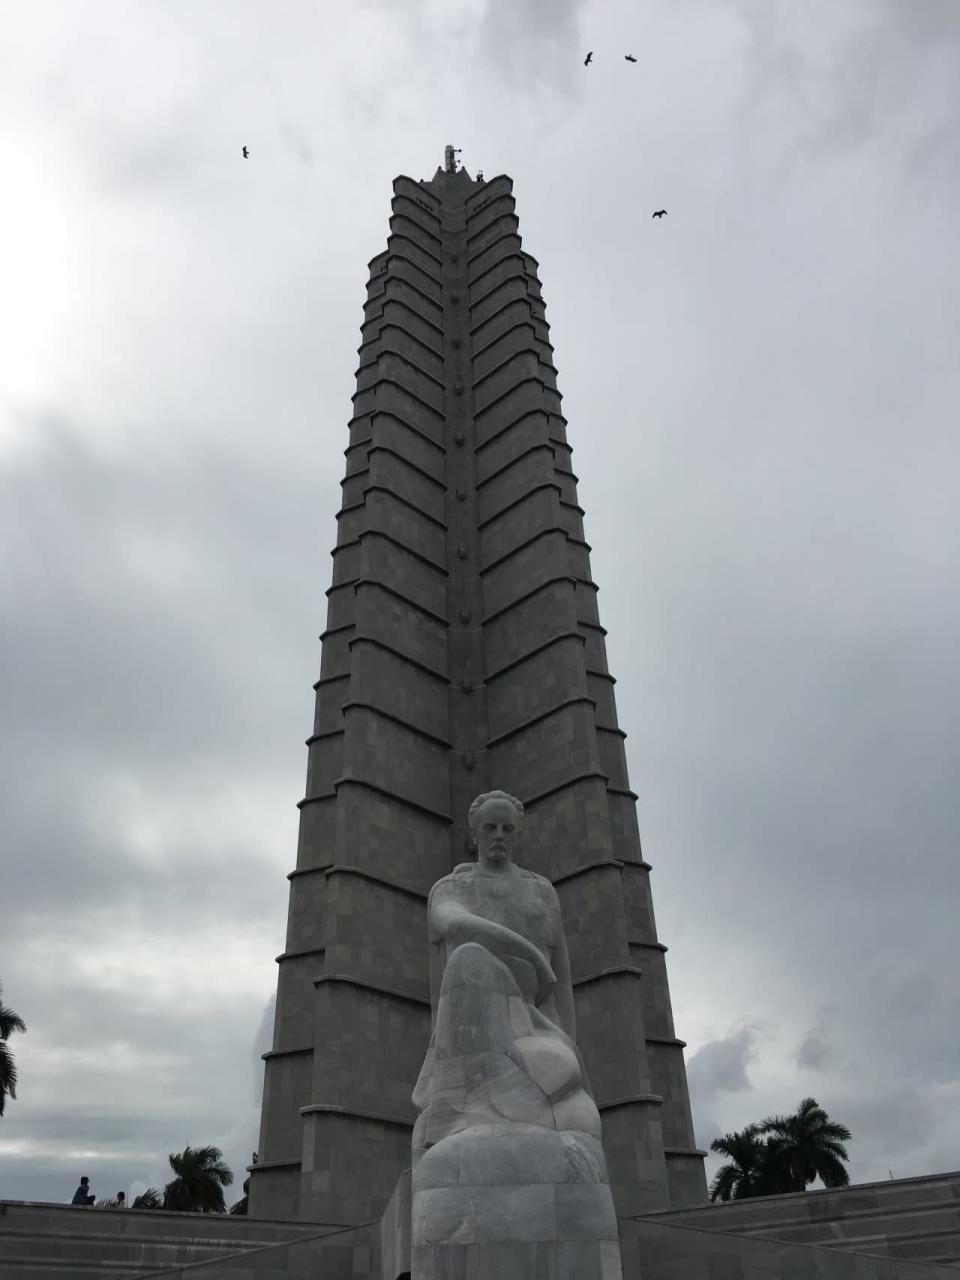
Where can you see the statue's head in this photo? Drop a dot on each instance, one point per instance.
(495, 820)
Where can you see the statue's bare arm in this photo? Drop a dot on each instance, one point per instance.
(457, 924)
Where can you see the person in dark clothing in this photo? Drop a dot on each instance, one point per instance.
(83, 1195)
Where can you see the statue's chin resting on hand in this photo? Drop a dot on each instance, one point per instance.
(506, 1148)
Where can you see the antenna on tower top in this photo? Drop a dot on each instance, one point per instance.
(450, 153)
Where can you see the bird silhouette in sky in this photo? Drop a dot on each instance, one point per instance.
(659, 213)
(246, 154)
(629, 57)
(588, 59)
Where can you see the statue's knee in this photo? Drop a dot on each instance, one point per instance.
(472, 965)
(468, 957)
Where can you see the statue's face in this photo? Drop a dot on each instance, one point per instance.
(497, 829)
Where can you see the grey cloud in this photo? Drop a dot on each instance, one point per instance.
(909, 1130)
(813, 1052)
(533, 44)
(111, 684)
(867, 85)
(296, 141)
(134, 656)
(720, 1066)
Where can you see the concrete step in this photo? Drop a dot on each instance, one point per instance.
(126, 1250)
(61, 1241)
(13, 1267)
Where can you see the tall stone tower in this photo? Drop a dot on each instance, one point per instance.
(463, 651)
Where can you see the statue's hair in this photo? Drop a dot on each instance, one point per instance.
(474, 810)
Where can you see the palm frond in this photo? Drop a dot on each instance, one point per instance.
(836, 1132)
(8, 1075)
(724, 1183)
(149, 1199)
(808, 1106)
(774, 1124)
(9, 1021)
(832, 1172)
(836, 1149)
(724, 1146)
(206, 1155)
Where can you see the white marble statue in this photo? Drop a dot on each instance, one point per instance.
(507, 1160)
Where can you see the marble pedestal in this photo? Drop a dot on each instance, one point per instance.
(521, 1202)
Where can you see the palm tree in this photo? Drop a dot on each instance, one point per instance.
(149, 1199)
(9, 1022)
(201, 1177)
(747, 1174)
(807, 1145)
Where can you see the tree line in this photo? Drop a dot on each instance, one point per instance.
(781, 1154)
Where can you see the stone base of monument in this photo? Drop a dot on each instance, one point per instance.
(523, 1203)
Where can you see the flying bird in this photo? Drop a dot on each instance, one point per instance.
(659, 213)
(629, 57)
(588, 59)
(246, 154)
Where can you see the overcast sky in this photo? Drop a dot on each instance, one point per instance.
(762, 391)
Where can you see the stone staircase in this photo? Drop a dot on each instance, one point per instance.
(654, 1251)
(904, 1230)
(910, 1219)
(56, 1242)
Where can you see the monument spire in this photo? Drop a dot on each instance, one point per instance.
(450, 153)
(463, 652)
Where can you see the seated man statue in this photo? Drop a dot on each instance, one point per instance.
(506, 1148)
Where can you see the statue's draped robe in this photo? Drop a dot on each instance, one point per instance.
(507, 1143)
(495, 1057)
